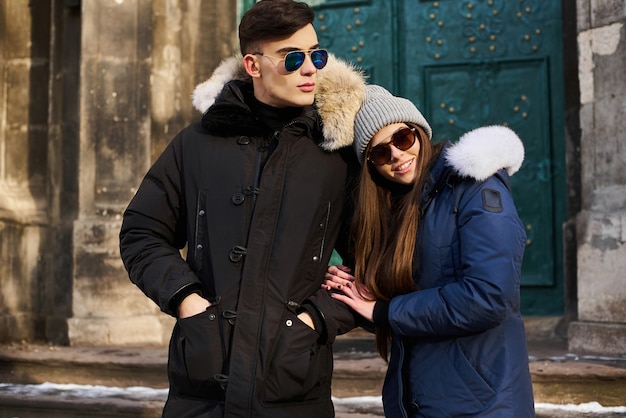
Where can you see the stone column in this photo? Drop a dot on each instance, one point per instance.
(62, 176)
(116, 43)
(139, 63)
(601, 223)
(24, 51)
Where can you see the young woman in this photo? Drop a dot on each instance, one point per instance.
(438, 254)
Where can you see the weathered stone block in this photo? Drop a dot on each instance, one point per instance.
(17, 96)
(138, 330)
(18, 327)
(16, 20)
(595, 337)
(129, 330)
(101, 285)
(605, 12)
(107, 308)
(583, 21)
(19, 247)
(601, 266)
(115, 25)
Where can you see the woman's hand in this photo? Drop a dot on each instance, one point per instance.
(341, 272)
(341, 282)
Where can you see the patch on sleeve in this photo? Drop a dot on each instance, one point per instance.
(492, 201)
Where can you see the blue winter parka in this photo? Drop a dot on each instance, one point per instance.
(458, 343)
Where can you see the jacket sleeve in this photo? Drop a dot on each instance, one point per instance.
(154, 231)
(336, 317)
(486, 287)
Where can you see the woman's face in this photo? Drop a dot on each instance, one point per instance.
(402, 167)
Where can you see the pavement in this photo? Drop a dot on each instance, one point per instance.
(559, 377)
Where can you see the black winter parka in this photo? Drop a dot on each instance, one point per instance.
(259, 230)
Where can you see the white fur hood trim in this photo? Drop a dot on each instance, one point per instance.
(206, 92)
(340, 93)
(480, 153)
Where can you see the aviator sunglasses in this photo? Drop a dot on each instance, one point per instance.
(295, 59)
(402, 139)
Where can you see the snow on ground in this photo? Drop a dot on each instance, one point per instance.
(589, 407)
(72, 391)
(139, 393)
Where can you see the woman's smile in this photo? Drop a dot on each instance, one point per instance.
(404, 167)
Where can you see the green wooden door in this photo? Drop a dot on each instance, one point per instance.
(468, 63)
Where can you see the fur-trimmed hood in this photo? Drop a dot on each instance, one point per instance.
(481, 152)
(340, 93)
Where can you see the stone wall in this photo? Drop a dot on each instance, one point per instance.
(140, 61)
(24, 74)
(90, 93)
(601, 223)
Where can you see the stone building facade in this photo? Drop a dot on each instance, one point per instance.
(598, 162)
(91, 91)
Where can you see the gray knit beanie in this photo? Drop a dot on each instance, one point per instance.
(379, 109)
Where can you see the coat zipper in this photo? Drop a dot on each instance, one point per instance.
(261, 150)
(323, 243)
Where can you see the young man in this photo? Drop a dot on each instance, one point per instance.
(256, 192)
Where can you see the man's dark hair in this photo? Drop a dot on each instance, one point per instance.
(270, 20)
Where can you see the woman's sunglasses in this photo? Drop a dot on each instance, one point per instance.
(402, 139)
(295, 59)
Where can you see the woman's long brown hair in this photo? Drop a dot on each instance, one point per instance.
(385, 231)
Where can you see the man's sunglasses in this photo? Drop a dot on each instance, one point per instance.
(295, 59)
(402, 139)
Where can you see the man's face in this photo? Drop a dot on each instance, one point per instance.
(273, 84)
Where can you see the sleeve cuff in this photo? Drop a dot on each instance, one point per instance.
(381, 314)
(181, 294)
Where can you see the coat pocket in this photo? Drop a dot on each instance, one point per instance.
(445, 382)
(300, 368)
(197, 355)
